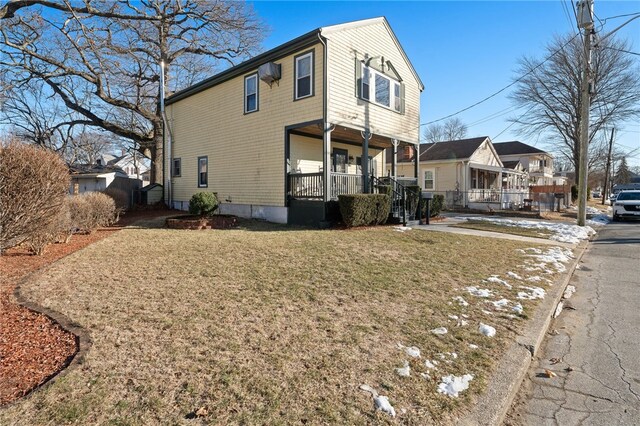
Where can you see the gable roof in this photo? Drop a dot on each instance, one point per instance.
(285, 49)
(451, 150)
(510, 164)
(516, 147)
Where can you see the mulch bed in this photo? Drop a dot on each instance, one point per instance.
(33, 347)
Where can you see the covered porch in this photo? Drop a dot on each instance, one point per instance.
(323, 165)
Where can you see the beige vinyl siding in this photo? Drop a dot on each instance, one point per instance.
(372, 39)
(446, 174)
(485, 155)
(306, 155)
(245, 151)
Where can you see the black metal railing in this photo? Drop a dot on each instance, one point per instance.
(306, 185)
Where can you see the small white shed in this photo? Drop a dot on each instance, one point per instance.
(151, 194)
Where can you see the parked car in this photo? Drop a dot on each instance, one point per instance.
(596, 194)
(627, 204)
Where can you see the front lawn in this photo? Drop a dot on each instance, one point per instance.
(272, 325)
(483, 225)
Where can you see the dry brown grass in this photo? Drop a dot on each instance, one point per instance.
(268, 325)
(484, 225)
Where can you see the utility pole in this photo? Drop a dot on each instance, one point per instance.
(605, 193)
(585, 22)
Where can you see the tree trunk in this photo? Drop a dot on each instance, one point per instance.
(157, 154)
(576, 163)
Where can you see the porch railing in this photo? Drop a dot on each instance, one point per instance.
(345, 183)
(306, 185)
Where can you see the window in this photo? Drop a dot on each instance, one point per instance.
(177, 167)
(429, 180)
(203, 171)
(304, 75)
(251, 93)
(387, 92)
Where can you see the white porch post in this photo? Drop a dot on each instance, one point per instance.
(326, 162)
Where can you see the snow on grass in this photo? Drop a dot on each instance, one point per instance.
(431, 365)
(554, 256)
(452, 385)
(599, 220)
(439, 330)
(472, 346)
(514, 276)
(380, 402)
(499, 304)
(479, 292)
(518, 309)
(411, 351)
(404, 371)
(401, 228)
(495, 279)
(532, 294)
(461, 301)
(563, 232)
(487, 330)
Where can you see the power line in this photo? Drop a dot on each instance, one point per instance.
(517, 120)
(621, 50)
(504, 88)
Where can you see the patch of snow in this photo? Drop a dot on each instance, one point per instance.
(462, 323)
(452, 385)
(558, 310)
(534, 293)
(495, 279)
(480, 292)
(514, 275)
(599, 220)
(568, 292)
(402, 228)
(535, 278)
(500, 303)
(563, 232)
(464, 316)
(453, 317)
(426, 376)
(461, 301)
(380, 402)
(411, 351)
(472, 346)
(430, 365)
(487, 330)
(404, 371)
(439, 330)
(484, 311)
(518, 309)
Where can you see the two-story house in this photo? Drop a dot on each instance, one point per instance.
(283, 134)
(537, 162)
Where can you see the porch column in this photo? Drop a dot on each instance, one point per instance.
(394, 160)
(365, 161)
(416, 161)
(326, 162)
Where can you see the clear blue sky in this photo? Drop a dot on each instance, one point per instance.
(463, 51)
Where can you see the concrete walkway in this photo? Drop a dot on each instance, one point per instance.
(444, 226)
(594, 348)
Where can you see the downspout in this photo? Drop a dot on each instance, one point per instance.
(326, 129)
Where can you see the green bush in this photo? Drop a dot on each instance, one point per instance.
(203, 203)
(364, 209)
(435, 205)
(412, 198)
(384, 189)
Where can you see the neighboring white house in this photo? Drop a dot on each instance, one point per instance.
(538, 163)
(108, 179)
(468, 172)
(134, 165)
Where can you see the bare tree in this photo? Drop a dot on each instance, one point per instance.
(451, 130)
(102, 59)
(550, 91)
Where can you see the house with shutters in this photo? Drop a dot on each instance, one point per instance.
(282, 135)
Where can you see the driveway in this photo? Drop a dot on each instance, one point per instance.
(593, 346)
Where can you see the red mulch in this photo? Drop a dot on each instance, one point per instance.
(33, 347)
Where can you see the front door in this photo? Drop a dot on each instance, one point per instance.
(340, 160)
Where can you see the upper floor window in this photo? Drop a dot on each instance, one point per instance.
(251, 93)
(304, 75)
(381, 89)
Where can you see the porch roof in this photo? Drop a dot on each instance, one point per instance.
(347, 135)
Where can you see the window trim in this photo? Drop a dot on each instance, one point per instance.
(372, 88)
(311, 54)
(433, 179)
(206, 184)
(173, 167)
(244, 99)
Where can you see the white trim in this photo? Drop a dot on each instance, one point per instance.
(372, 88)
(296, 77)
(247, 94)
(433, 179)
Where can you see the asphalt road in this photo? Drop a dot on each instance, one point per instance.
(593, 348)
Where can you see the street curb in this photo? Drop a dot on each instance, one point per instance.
(504, 384)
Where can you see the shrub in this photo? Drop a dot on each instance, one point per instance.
(33, 185)
(92, 210)
(436, 204)
(203, 203)
(412, 198)
(364, 209)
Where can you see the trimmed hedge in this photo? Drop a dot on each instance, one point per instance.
(364, 209)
